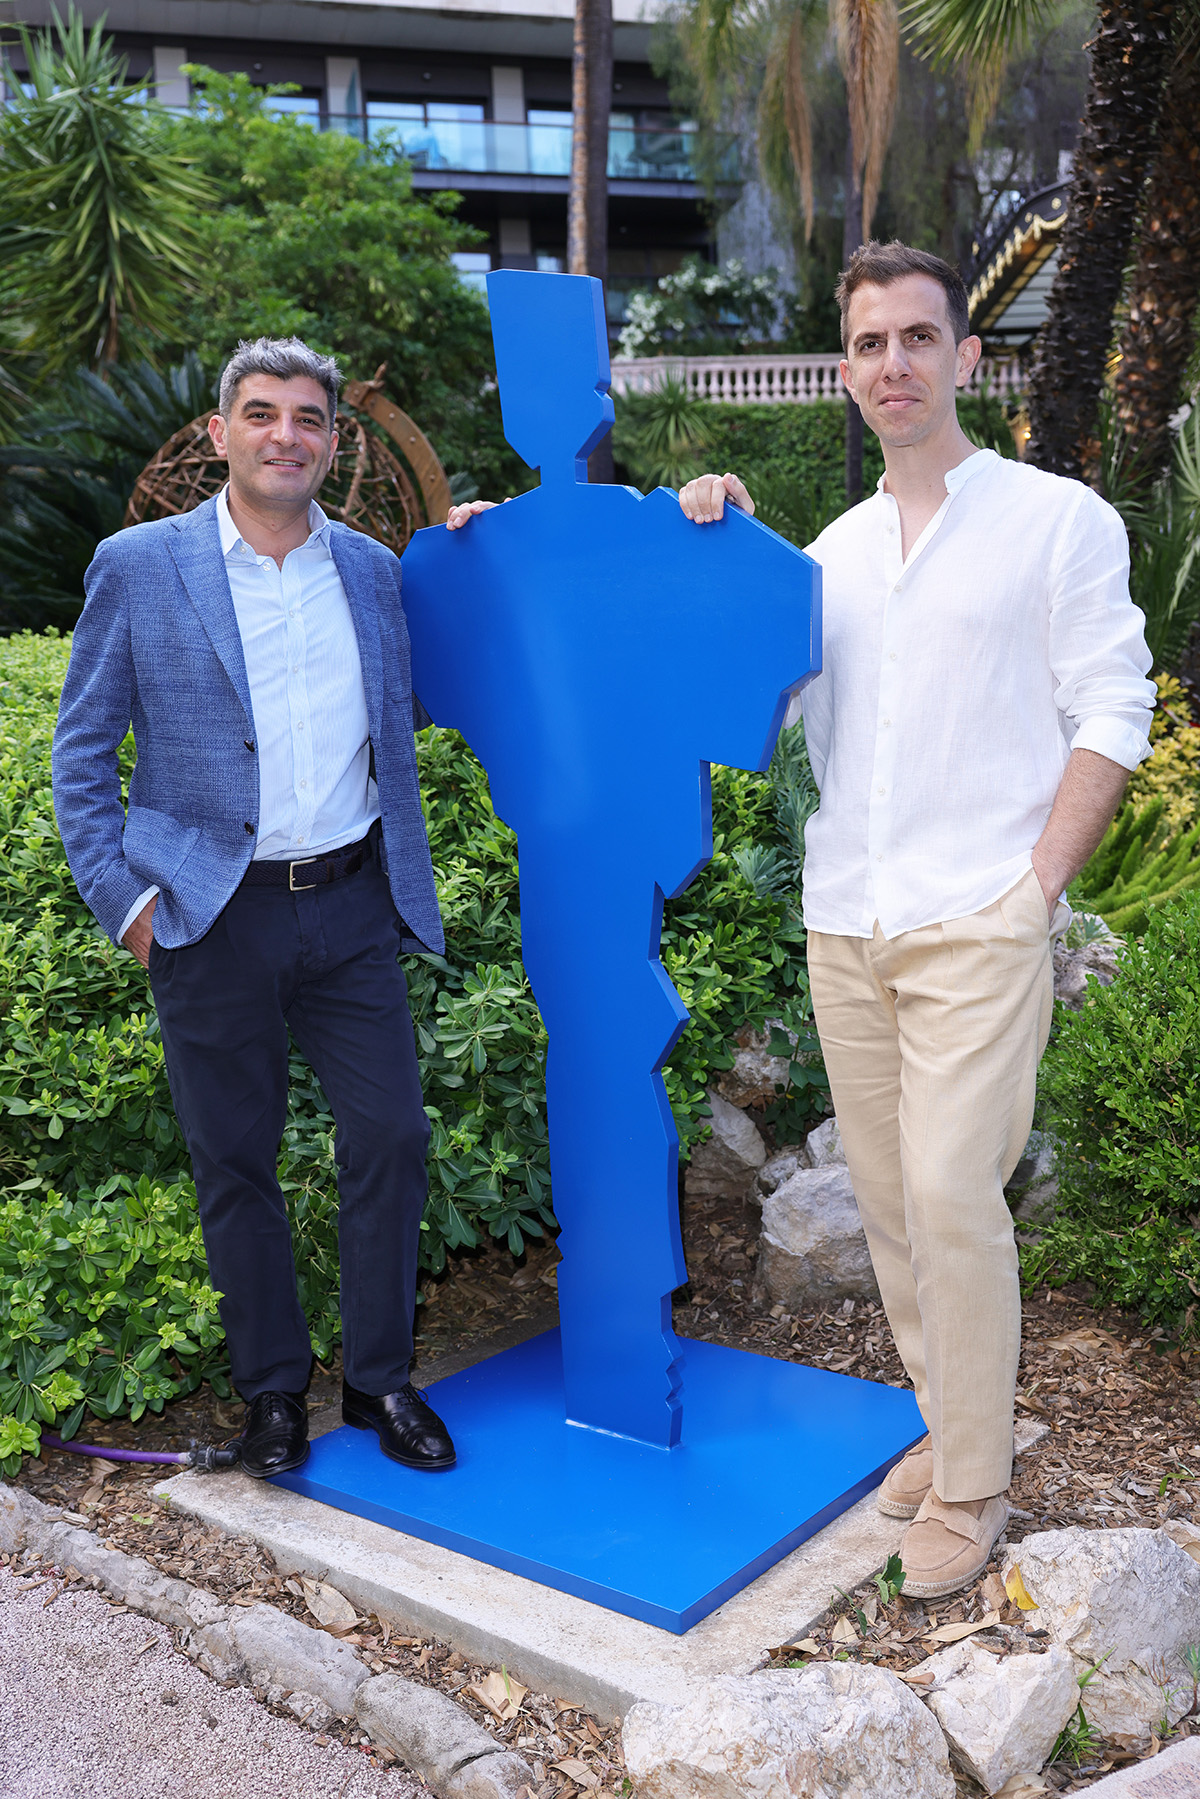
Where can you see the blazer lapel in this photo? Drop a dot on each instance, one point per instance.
(196, 548)
(358, 580)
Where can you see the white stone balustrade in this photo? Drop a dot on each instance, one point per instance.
(770, 380)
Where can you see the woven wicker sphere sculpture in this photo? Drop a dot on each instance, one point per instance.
(369, 487)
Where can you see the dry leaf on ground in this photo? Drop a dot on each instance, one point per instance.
(954, 1633)
(577, 1771)
(1014, 1586)
(326, 1604)
(499, 1694)
(1086, 1341)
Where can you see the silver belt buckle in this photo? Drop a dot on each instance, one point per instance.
(305, 886)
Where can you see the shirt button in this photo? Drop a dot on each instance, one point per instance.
(899, 587)
(879, 858)
(879, 790)
(299, 840)
(248, 827)
(300, 724)
(304, 783)
(892, 657)
(292, 613)
(887, 721)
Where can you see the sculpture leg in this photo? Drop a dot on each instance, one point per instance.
(612, 1017)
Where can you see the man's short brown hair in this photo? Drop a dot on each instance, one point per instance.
(878, 265)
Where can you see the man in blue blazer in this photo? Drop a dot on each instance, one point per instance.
(271, 858)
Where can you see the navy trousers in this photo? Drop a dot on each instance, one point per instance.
(323, 964)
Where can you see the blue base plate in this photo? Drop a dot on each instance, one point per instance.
(771, 1453)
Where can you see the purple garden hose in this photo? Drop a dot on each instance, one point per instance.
(206, 1458)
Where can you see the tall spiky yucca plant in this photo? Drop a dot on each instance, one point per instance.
(97, 228)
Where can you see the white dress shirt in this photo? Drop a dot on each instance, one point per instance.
(956, 682)
(306, 693)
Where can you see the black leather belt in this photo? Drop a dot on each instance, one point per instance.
(310, 871)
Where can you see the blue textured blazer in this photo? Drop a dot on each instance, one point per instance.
(158, 645)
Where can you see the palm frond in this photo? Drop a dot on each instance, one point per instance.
(980, 37)
(784, 115)
(867, 35)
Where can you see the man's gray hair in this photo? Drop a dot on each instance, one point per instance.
(284, 357)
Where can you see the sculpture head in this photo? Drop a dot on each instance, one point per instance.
(552, 367)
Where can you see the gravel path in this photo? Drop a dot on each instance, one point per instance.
(98, 1704)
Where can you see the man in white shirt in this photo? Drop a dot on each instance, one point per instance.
(982, 704)
(272, 854)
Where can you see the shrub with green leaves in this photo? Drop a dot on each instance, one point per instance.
(105, 1303)
(1120, 1089)
(85, 1114)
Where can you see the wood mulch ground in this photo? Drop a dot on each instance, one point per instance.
(1121, 1413)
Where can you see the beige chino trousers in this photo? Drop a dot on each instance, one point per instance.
(932, 1042)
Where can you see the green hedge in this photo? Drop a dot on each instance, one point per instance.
(1120, 1091)
(86, 1126)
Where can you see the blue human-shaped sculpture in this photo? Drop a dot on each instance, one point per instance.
(598, 651)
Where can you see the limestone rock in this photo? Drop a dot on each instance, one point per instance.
(1174, 1773)
(1130, 1596)
(824, 1146)
(726, 1163)
(1033, 1186)
(439, 1741)
(309, 1710)
(15, 1507)
(278, 1649)
(1073, 968)
(1001, 1717)
(780, 1167)
(812, 1246)
(756, 1076)
(833, 1730)
(1186, 1534)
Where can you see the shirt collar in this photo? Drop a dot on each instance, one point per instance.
(962, 472)
(232, 539)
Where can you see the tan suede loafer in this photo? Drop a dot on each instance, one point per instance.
(905, 1485)
(946, 1546)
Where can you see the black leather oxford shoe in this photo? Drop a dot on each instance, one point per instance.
(275, 1437)
(409, 1430)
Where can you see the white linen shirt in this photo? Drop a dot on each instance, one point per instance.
(306, 694)
(956, 683)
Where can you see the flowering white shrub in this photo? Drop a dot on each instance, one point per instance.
(701, 307)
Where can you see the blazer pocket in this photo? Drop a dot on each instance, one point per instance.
(155, 844)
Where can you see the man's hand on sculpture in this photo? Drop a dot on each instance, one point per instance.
(457, 516)
(140, 935)
(703, 499)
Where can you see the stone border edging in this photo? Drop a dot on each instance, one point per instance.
(260, 1646)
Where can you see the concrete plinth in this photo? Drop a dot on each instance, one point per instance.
(549, 1640)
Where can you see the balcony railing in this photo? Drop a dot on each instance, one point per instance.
(743, 380)
(480, 147)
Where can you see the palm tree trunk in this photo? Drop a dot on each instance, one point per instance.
(587, 204)
(1130, 53)
(1158, 340)
(852, 238)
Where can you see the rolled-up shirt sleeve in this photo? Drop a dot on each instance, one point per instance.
(1098, 654)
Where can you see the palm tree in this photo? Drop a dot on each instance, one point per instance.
(1157, 343)
(97, 229)
(730, 45)
(587, 200)
(1129, 55)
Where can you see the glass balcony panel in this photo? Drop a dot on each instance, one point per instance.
(464, 141)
